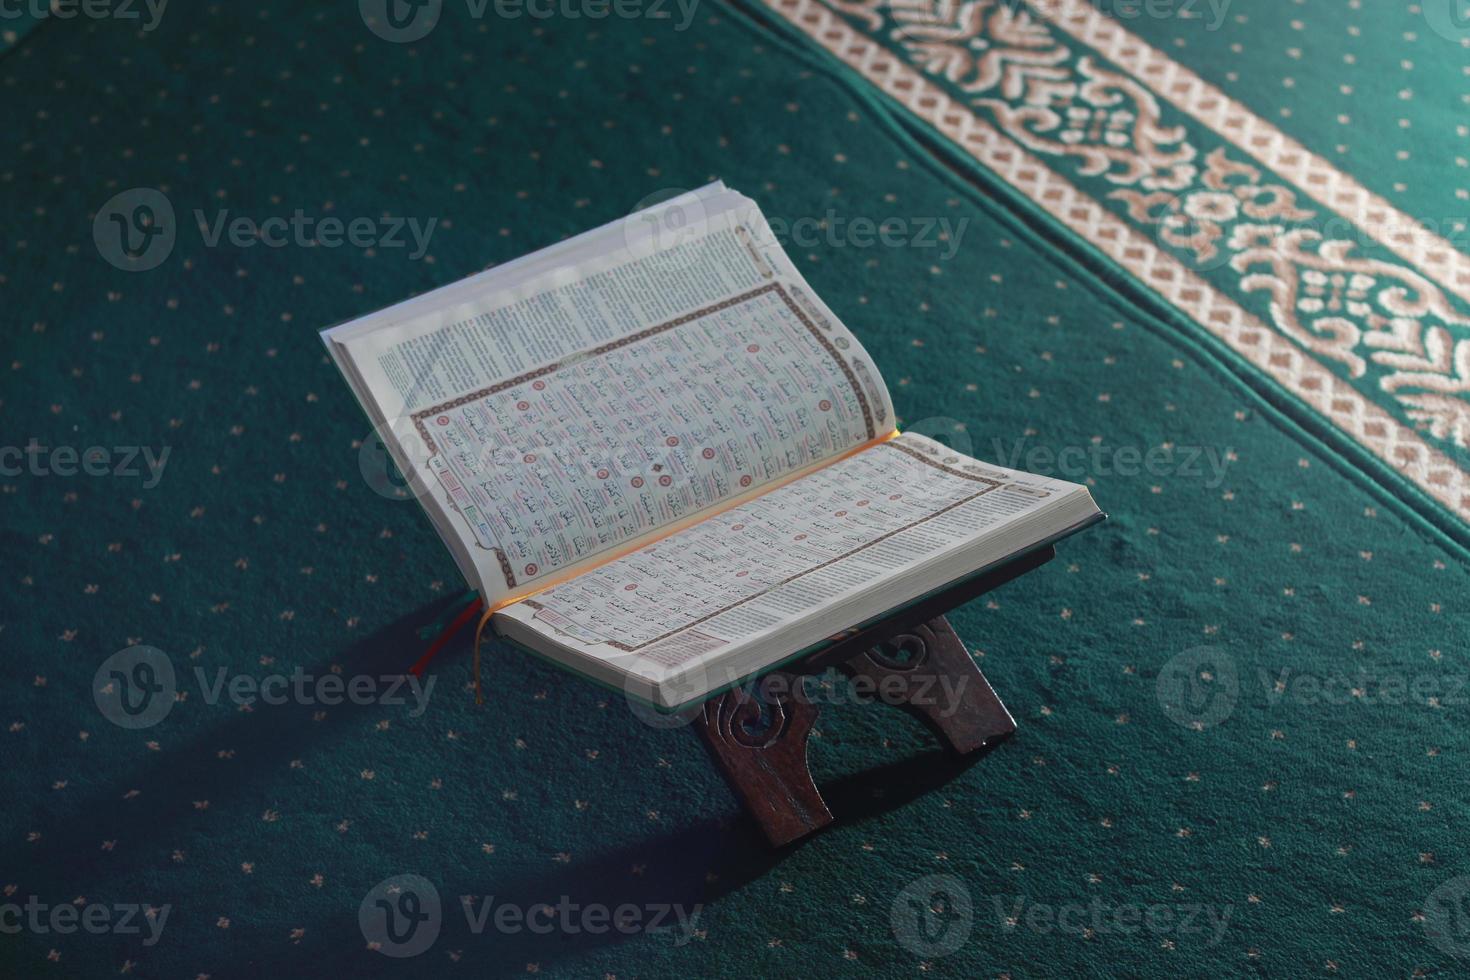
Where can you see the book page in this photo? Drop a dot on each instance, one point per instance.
(600, 403)
(755, 569)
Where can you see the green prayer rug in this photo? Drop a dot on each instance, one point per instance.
(1208, 257)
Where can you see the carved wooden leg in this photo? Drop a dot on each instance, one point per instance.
(928, 672)
(759, 741)
(759, 737)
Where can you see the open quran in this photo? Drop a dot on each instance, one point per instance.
(666, 464)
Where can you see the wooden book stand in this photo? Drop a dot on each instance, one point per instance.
(757, 732)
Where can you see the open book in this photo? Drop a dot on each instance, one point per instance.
(665, 463)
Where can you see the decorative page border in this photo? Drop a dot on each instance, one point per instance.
(892, 444)
(1279, 358)
(541, 372)
(842, 362)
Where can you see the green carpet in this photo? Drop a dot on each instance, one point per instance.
(1240, 700)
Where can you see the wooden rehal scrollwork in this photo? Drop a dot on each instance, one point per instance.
(914, 660)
